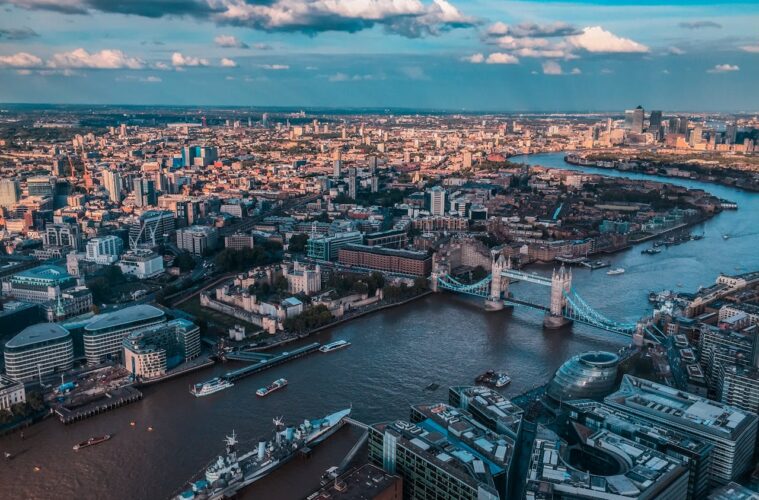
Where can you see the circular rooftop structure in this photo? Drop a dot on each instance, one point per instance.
(590, 375)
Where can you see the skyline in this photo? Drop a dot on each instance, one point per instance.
(459, 56)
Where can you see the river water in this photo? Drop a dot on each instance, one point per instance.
(395, 354)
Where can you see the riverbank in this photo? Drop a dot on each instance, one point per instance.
(653, 171)
(339, 322)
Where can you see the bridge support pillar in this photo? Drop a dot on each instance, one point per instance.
(561, 284)
(498, 284)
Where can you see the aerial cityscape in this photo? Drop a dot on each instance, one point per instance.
(379, 249)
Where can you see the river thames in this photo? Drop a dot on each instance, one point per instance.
(395, 354)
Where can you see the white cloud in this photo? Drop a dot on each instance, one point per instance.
(723, 68)
(501, 58)
(228, 63)
(275, 67)
(178, 60)
(230, 41)
(598, 40)
(576, 71)
(751, 48)
(151, 79)
(677, 51)
(607, 71)
(161, 66)
(551, 68)
(474, 58)
(104, 59)
(262, 46)
(20, 60)
(342, 77)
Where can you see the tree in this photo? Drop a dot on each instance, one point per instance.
(298, 242)
(185, 262)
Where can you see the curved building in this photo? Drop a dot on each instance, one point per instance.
(590, 375)
(103, 337)
(39, 350)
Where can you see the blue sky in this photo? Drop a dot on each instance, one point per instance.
(445, 54)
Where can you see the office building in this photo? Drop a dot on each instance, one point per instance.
(104, 334)
(238, 241)
(10, 192)
(151, 229)
(695, 453)
(730, 430)
(407, 262)
(39, 284)
(437, 200)
(113, 183)
(41, 186)
(352, 183)
(602, 466)
(443, 453)
(104, 250)
(738, 386)
(337, 163)
(198, 240)
(489, 408)
(145, 193)
(141, 263)
(38, 350)
(367, 482)
(11, 392)
(150, 352)
(392, 238)
(62, 235)
(328, 247)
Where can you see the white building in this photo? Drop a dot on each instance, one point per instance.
(141, 263)
(11, 392)
(437, 201)
(104, 335)
(104, 250)
(39, 350)
(197, 239)
(303, 279)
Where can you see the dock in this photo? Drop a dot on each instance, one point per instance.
(265, 361)
(109, 401)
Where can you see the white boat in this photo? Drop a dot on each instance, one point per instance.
(614, 272)
(333, 346)
(214, 385)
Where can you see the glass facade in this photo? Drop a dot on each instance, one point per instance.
(591, 375)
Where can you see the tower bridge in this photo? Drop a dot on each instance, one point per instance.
(565, 305)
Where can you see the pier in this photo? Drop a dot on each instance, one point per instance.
(265, 361)
(108, 401)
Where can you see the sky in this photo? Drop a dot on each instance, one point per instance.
(468, 55)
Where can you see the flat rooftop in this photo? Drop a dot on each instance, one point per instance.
(677, 406)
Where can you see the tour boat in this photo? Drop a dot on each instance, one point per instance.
(275, 386)
(614, 272)
(334, 346)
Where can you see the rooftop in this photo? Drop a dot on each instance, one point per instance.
(41, 332)
(678, 406)
(368, 481)
(47, 272)
(124, 317)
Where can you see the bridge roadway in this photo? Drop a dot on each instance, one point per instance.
(518, 302)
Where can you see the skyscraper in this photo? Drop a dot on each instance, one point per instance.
(113, 184)
(731, 133)
(655, 123)
(352, 183)
(637, 120)
(337, 162)
(144, 192)
(10, 192)
(437, 201)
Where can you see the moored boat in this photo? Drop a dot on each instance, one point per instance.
(211, 386)
(614, 272)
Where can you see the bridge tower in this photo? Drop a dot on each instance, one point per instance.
(561, 283)
(498, 284)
